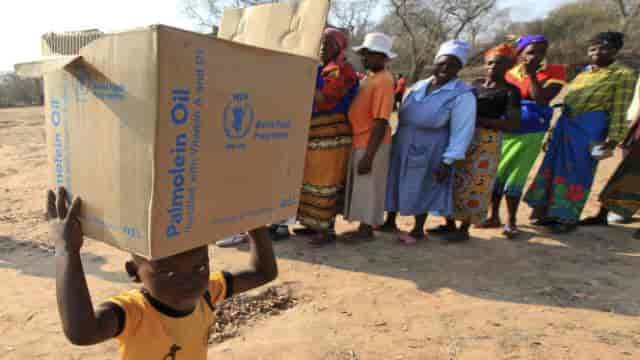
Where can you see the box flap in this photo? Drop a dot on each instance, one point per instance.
(45, 65)
(293, 27)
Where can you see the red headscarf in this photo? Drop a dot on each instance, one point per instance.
(341, 40)
(503, 49)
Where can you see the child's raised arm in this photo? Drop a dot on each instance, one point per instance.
(82, 326)
(263, 267)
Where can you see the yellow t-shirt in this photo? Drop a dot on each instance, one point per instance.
(150, 335)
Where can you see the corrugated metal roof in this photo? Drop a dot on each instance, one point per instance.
(68, 43)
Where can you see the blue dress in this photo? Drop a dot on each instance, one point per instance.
(423, 140)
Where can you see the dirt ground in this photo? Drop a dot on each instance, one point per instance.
(568, 297)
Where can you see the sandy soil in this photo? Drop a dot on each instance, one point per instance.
(567, 297)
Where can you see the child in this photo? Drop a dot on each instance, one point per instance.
(170, 316)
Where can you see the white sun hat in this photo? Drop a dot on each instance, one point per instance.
(377, 42)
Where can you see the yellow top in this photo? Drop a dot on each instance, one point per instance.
(607, 89)
(149, 334)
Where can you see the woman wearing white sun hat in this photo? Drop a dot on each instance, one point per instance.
(369, 117)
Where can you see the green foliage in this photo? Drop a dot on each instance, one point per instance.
(570, 27)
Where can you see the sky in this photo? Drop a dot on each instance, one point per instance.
(24, 21)
(529, 10)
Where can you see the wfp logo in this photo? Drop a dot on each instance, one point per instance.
(238, 117)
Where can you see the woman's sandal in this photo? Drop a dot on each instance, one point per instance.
(322, 239)
(457, 237)
(595, 221)
(489, 224)
(511, 232)
(442, 230)
(410, 238)
(305, 232)
(561, 228)
(544, 222)
(386, 228)
(357, 236)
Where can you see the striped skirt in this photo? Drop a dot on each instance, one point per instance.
(327, 159)
(622, 192)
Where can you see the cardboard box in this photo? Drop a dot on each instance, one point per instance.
(293, 26)
(176, 139)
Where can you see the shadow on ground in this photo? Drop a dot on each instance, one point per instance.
(27, 258)
(592, 269)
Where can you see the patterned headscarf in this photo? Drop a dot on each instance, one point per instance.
(341, 40)
(527, 40)
(503, 49)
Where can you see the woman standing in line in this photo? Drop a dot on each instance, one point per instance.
(330, 140)
(592, 120)
(498, 111)
(436, 125)
(622, 192)
(328, 148)
(539, 83)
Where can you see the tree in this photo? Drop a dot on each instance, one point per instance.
(206, 14)
(353, 16)
(569, 27)
(421, 25)
(627, 10)
(483, 29)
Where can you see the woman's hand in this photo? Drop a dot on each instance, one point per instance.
(442, 173)
(609, 144)
(531, 68)
(364, 165)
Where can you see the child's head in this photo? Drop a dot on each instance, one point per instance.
(177, 281)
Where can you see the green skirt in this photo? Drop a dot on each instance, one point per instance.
(519, 153)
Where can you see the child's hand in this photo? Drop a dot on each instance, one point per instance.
(65, 226)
